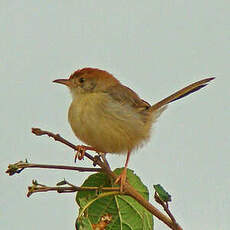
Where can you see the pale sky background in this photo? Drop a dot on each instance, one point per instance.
(154, 47)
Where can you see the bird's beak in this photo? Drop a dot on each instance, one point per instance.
(66, 82)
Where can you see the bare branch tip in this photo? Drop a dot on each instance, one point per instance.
(37, 131)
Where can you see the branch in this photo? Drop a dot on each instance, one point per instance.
(96, 160)
(128, 189)
(166, 208)
(19, 166)
(36, 187)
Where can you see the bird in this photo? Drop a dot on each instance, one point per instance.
(109, 117)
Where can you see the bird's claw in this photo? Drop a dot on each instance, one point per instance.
(121, 179)
(80, 151)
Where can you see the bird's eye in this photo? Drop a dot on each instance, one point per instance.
(81, 80)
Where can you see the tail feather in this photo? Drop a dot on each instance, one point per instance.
(182, 93)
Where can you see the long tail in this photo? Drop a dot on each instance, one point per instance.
(181, 93)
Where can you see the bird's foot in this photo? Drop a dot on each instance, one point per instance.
(80, 151)
(122, 179)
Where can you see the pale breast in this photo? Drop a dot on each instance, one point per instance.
(105, 124)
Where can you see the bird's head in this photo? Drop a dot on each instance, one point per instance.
(88, 80)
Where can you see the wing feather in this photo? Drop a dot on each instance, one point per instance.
(125, 95)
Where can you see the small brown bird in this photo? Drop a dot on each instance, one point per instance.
(110, 117)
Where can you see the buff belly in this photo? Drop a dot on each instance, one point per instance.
(106, 125)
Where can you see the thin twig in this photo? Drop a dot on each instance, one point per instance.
(103, 156)
(128, 189)
(166, 208)
(19, 166)
(37, 188)
(57, 137)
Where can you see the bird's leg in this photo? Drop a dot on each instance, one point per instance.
(81, 151)
(122, 177)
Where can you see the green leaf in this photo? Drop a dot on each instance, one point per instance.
(165, 196)
(83, 224)
(127, 213)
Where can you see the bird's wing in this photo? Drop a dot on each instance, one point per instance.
(125, 95)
